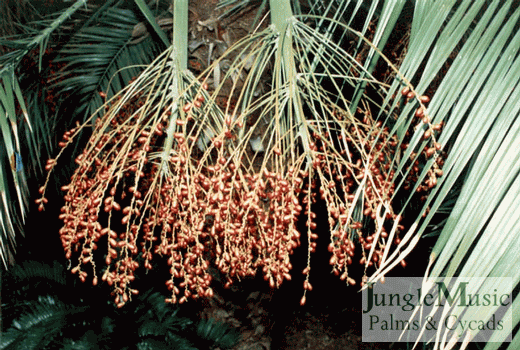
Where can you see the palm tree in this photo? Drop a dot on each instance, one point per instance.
(443, 120)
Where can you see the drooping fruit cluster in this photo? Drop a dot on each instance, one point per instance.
(159, 180)
(192, 209)
(237, 224)
(357, 178)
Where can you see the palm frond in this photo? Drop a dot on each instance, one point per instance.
(30, 275)
(14, 114)
(387, 21)
(87, 341)
(13, 12)
(478, 100)
(102, 58)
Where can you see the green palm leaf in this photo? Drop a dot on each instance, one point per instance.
(99, 56)
(13, 187)
(103, 57)
(478, 100)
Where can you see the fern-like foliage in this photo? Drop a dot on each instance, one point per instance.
(158, 320)
(216, 333)
(32, 277)
(44, 310)
(37, 326)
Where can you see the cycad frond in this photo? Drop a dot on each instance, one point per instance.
(30, 275)
(217, 333)
(157, 317)
(37, 327)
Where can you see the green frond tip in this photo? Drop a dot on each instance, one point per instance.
(42, 38)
